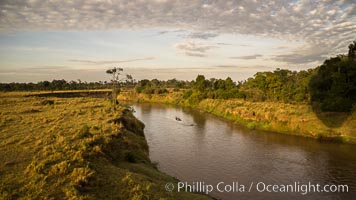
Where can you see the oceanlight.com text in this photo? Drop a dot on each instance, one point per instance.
(236, 187)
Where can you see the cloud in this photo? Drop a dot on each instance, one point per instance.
(328, 24)
(254, 68)
(282, 47)
(223, 44)
(193, 48)
(303, 55)
(299, 58)
(250, 57)
(106, 62)
(194, 54)
(168, 31)
(202, 35)
(162, 32)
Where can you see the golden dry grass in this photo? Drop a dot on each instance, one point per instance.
(75, 148)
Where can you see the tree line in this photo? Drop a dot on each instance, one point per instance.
(60, 85)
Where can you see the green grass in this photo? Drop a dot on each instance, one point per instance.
(75, 148)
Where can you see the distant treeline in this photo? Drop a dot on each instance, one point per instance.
(280, 85)
(59, 85)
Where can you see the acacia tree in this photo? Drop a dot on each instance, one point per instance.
(116, 78)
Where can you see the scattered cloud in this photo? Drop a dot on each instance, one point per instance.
(244, 67)
(299, 58)
(328, 24)
(162, 32)
(282, 47)
(168, 31)
(223, 44)
(303, 55)
(194, 54)
(106, 62)
(250, 57)
(193, 48)
(202, 35)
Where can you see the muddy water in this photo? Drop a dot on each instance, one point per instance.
(207, 150)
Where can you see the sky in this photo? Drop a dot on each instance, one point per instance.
(165, 39)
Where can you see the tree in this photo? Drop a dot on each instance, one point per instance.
(116, 74)
(229, 84)
(200, 83)
(352, 51)
(333, 87)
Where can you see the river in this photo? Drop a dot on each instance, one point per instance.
(207, 150)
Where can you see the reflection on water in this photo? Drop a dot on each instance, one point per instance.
(205, 148)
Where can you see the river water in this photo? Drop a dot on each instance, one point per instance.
(202, 149)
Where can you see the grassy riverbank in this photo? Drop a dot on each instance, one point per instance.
(75, 148)
(299, 119)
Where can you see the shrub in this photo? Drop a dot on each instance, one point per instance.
(162, 91)
(130, 157)
(139, 89)
(187, 94)
(148, 90)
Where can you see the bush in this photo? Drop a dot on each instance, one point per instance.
(130, 157)
(187, 94)
(162, 91)
(195, 98)
(148, 90)
(139, 89)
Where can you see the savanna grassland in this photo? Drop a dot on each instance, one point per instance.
(75, 148)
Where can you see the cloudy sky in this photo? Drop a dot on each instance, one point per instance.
(164, 39)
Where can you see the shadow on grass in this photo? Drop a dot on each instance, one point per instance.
(330, 119)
